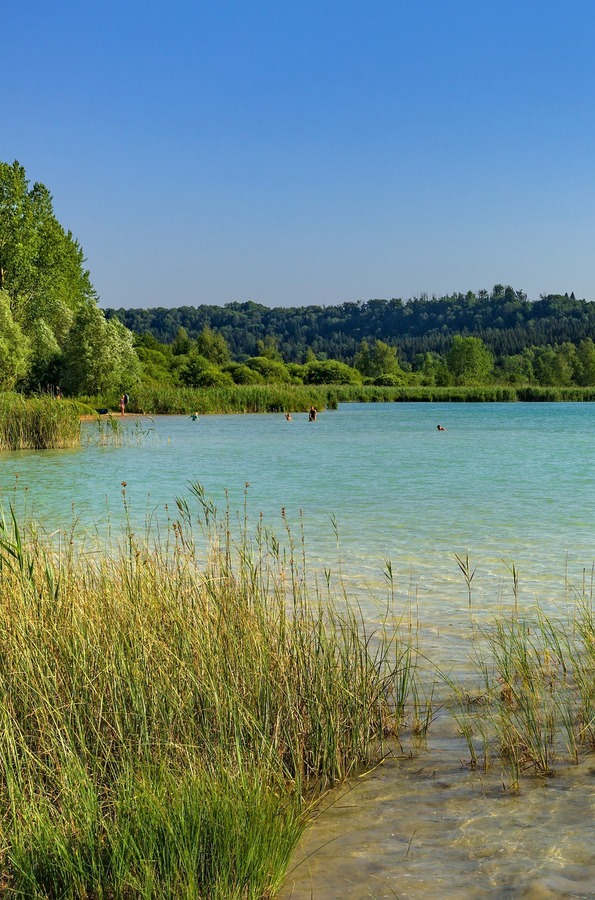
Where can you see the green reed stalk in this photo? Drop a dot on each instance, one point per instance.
(38, 423)
(165, 723)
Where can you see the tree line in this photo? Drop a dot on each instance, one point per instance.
(53, 333)
(498, 335)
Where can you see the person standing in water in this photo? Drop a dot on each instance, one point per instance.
(312, 414)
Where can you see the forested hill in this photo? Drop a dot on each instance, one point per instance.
(504, 318)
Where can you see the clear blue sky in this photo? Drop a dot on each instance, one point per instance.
(297, 152)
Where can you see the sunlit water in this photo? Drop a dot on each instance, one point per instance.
(505, 484)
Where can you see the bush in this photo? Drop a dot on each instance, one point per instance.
(330, 371)
(271, 369)
(242, 374)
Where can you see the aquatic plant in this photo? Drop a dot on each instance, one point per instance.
(38, 423)
(170, 709)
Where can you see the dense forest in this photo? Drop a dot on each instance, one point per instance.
(503, 318)
(548, 341)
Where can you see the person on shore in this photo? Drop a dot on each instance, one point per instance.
(122, 404)
(312, 414)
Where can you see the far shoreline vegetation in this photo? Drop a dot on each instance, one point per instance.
(243, 357)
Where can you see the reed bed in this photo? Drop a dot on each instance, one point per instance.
(166, 723)
(275, 398)
(38, 423)
(534, 705)
(494, 393)
(240, 398)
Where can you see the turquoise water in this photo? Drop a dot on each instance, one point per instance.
(505, 483)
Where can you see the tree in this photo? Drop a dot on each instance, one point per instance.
(99, 355)
(330, 371)
(41, 265)
(182, 343)
(271, 369)
(377, 358)
(198, 371)
(213, 346)
(45, 356)
(14, 346)
(469, 360)
(586, 362)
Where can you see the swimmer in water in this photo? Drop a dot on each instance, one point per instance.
(288, 416)
(440, 427)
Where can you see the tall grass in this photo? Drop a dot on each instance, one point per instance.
(164, 724)
(298, 398)
(38, 423)
(240, 398)
(534, 704)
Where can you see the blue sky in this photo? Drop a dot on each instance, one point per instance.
(297, 153)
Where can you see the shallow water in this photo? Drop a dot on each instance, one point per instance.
(505, 483)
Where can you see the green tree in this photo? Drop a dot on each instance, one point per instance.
(271, 369)
(213, 346)
(469, 360)
(45, 356)
(377, 358)
(41, 265)
(14, 346)
(269, 347)
(555, 365)
(182, 343)
(99, 355)
(198, 371)
(586, 362)
(242, 374)
(330, 371)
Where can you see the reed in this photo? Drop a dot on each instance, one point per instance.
(38, 423)
(240, 398)
(166, 723)
(533, 706)
(243, 398)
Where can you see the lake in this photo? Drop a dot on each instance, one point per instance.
(504, 484)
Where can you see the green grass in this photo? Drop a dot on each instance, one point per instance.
(38, 423)
(165, 725)
(276, 398)
(241, 398)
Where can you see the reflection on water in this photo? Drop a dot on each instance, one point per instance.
(506, 483)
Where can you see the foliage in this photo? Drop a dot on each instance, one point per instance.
(242, 374)
(198, 371)
(46, 297)
(14, 346)
(418, 332)
(99, 355)
(272, 370)
(469, 361)
(330, 371)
